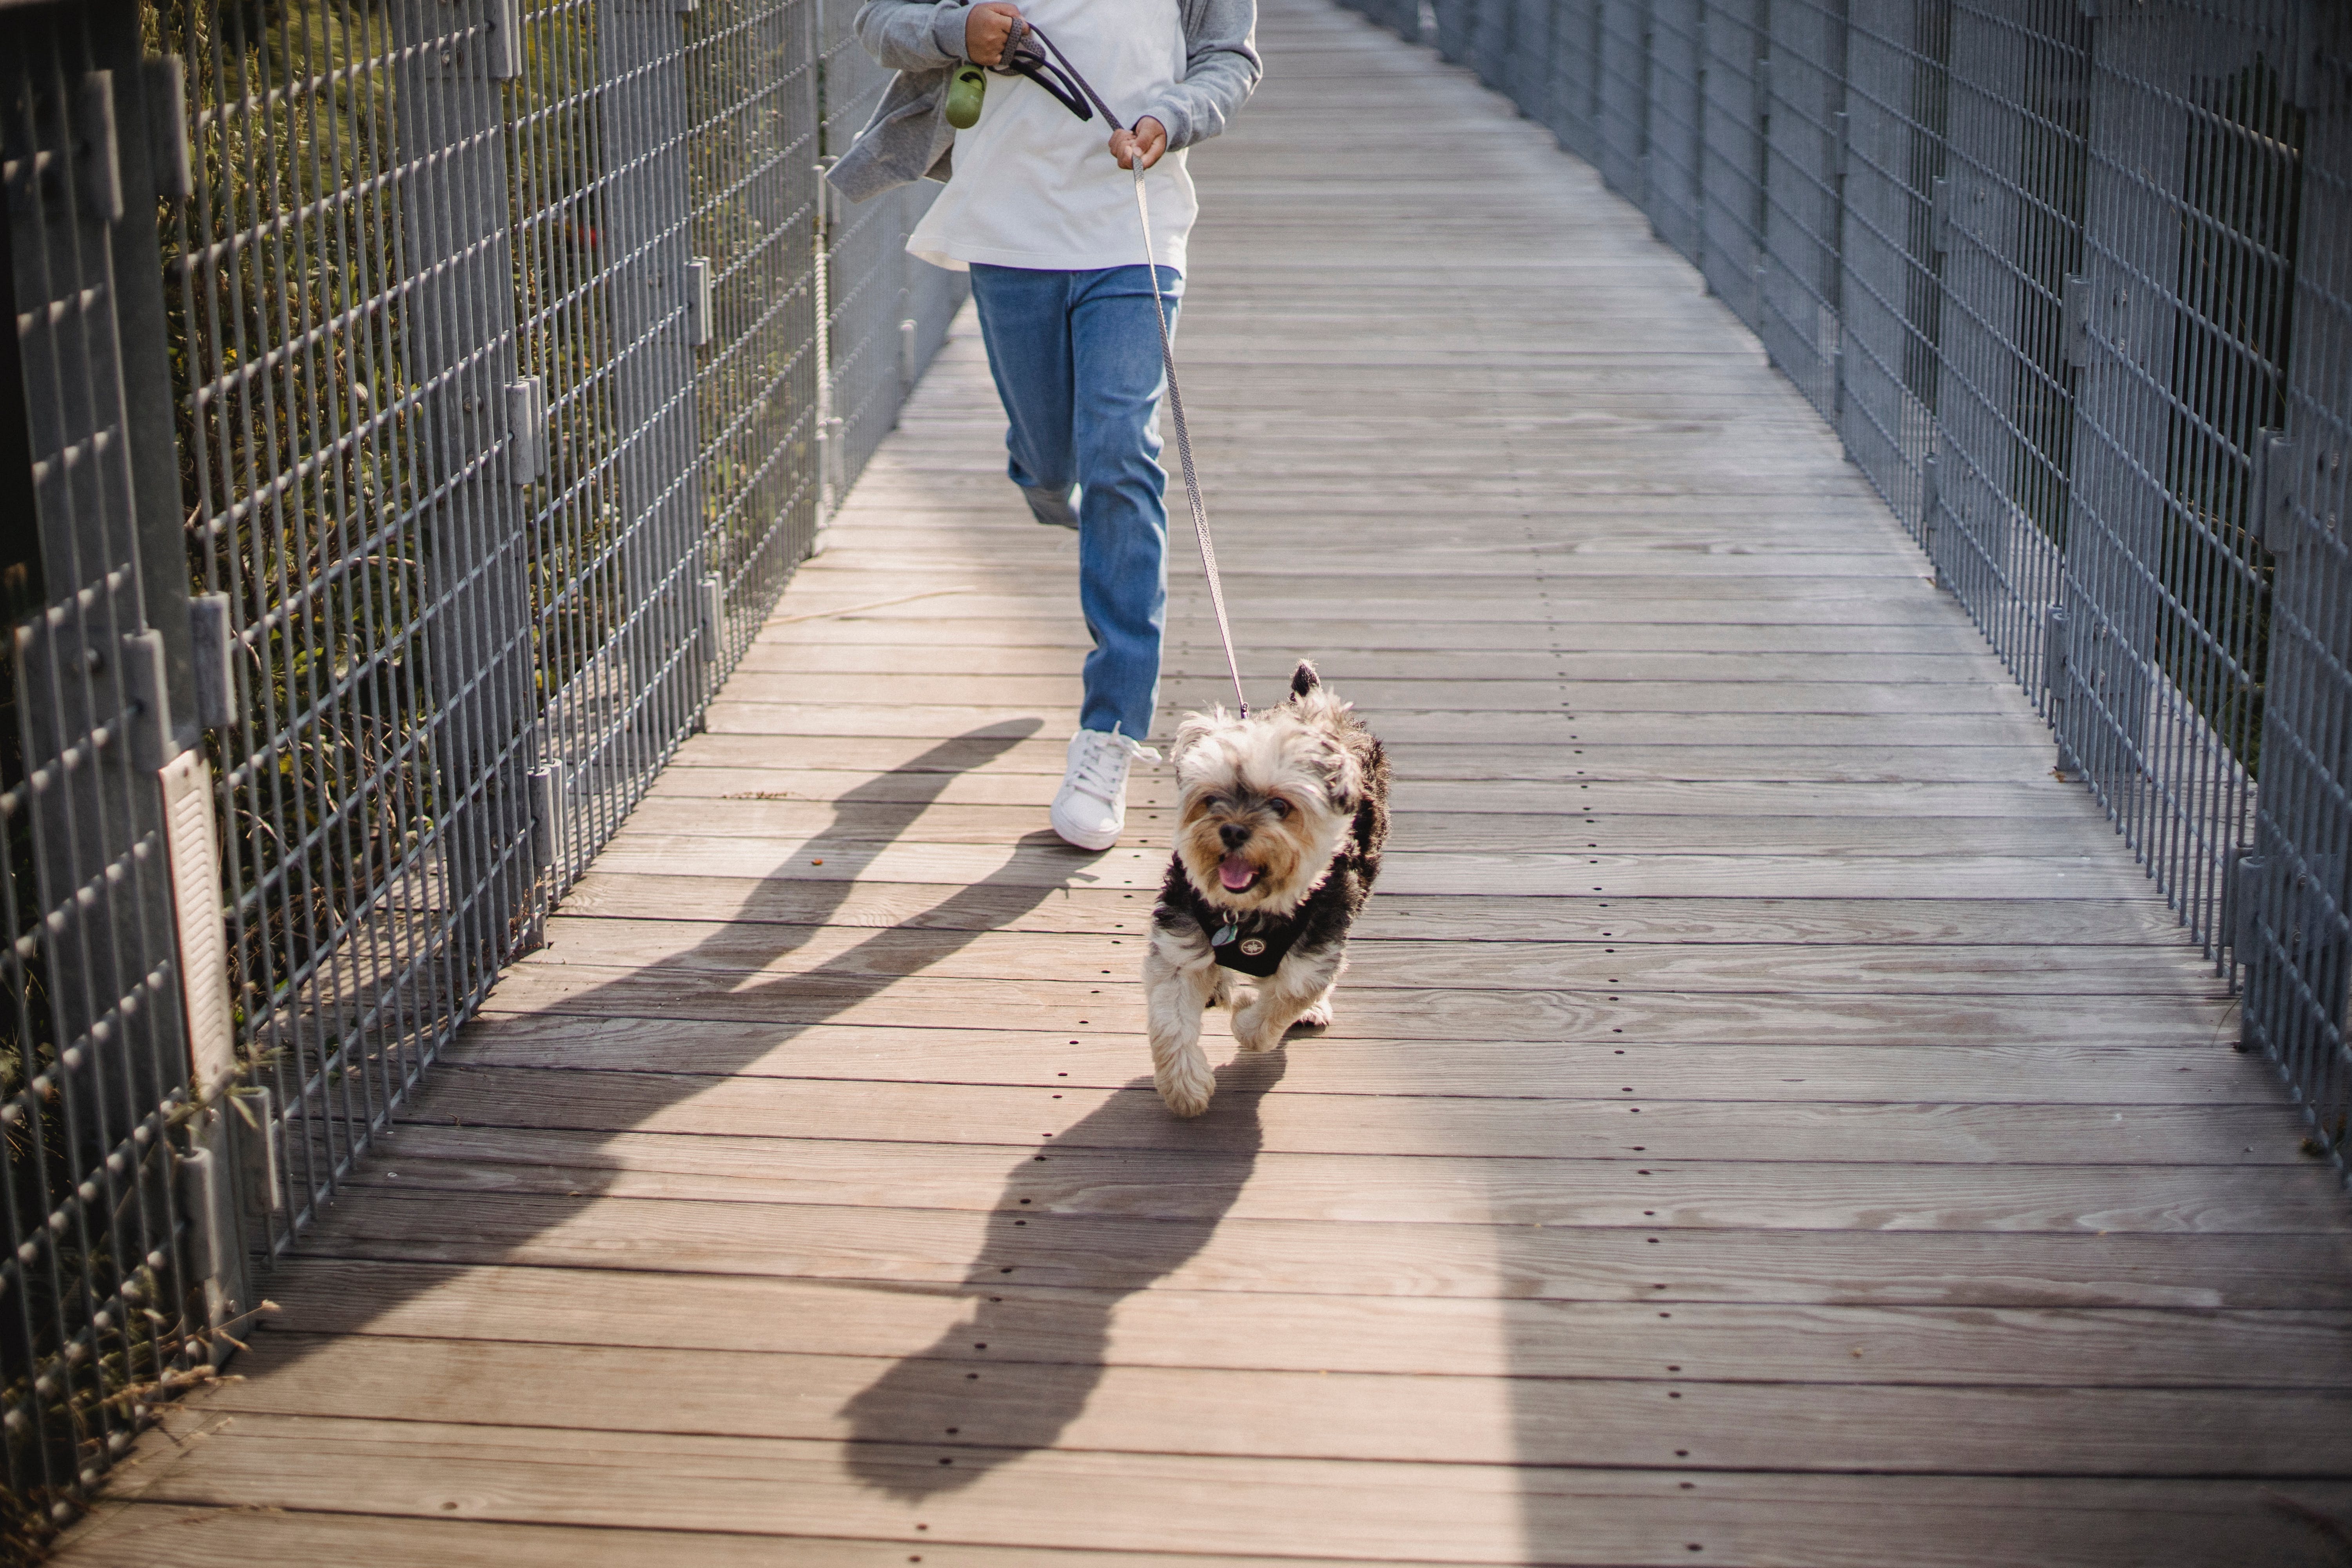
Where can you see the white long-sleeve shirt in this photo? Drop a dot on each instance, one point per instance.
(1036, 186)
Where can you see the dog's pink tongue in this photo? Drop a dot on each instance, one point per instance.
(1235, 873)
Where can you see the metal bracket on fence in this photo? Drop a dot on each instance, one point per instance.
(714, 614)
(2270, 519)
(2075, 320)
(99, 158)
(683, 6)
(699, 329)
(1931, 501)
(2053, 645)
(1843, 124)
(825, 194)
(167, 127)
(546, 813)
(261, 1140)
(908, 369)
(211, 1257)
(151, 744)
(527, 429)
(215, 669)
(1941, 193)
(2242, 904)
(505, 40)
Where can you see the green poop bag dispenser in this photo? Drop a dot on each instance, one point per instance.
(964, 92)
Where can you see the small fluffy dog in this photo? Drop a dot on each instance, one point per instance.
(1280, 819)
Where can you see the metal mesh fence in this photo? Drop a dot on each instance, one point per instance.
(109, 1293)
(886, 313)
(2068, 279)
(374, 550)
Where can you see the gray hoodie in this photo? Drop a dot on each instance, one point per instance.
(909, 137)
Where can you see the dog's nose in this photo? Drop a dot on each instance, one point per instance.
(1235, 835)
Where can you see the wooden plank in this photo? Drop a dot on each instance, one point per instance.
(1427, 822)
(1004, 747)
(930, 1247)
(136, 1535)
(1411, 638)
(1938, 1071)
(2043, 807)
(1456, 1018)
(1855, 921)
(1050, 865)
(1388, 955)
(1716, 1194)
(1611, 706)
(1361, 1511)
(925, 1398)
(1461, 1337)
(1563, 736)
(1642, 1122)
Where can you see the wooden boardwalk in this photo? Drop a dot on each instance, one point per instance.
(1770, 1121)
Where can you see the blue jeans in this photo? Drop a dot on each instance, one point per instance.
(1077, 361)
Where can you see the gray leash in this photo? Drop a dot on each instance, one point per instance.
(1184, 446)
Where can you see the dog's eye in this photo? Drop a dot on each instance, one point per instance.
(1279, 806)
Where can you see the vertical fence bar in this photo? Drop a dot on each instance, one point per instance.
(1798, 273)
(1677, 90)
(1890, 287)
(2289, 924)
(2020, 94)
(1731, 167)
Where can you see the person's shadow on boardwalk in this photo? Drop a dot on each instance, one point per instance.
(1112, 1206)
(1121, 1199)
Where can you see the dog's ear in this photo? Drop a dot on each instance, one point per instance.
(1303, 680)
(1343, 775)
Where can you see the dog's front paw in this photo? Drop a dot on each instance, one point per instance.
(1257, 1028)
(1317, 1016)
(1185, 1083)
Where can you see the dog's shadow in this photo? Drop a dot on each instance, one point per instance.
(1116, 1204)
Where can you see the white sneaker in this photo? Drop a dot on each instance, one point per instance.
(1091, 808)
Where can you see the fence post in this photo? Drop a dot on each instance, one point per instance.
(2290, 928)
(459, 350)
(646, 240)
(112, 1279)
(2138, 138)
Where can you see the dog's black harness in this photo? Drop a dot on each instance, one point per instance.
(1251, 944)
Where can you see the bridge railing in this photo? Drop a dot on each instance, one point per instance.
(2072, 280)
(410, 411)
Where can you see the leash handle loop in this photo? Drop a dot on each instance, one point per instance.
(1184, 441)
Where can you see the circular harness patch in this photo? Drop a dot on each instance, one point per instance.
(1253, 946)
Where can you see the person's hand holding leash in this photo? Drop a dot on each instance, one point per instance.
(986, 30)
(1147, 141)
